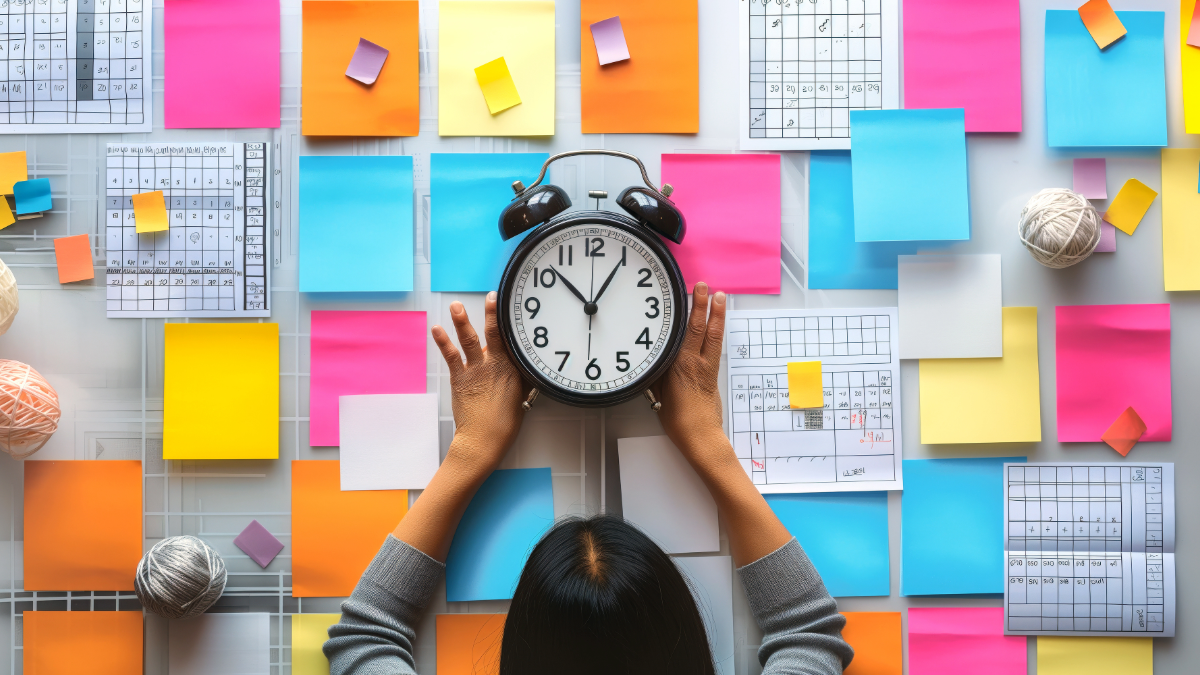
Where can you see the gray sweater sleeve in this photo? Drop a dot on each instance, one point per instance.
(802, 629)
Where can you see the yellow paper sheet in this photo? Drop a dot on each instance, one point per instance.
(14, 168)
(1130, 205)
(804, 384)
(497, 86)
(1003, 405)
(1181, 219)
(150, 212)
(309, 633)
(474, 32)
(1190, 59)
(6, 215)
(1095, 655)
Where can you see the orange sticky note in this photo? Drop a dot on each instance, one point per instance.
(469, 644)
(83, 524)
(14, 168)
(804, 384)
(69, 643)
(876, 639)
(1125, 432)
(335, 534)
(150, 211)
(74, 258)
(1102, 22)
(1130, 205)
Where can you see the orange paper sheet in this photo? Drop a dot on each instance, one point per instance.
(1102, 22)
(469, 644)
(1125, 432)
(70, 643)
(335, 534)
(83, 524)
(876, 639)
(73, 256)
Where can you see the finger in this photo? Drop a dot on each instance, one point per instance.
(716, 327)
(448, 350)
(694, 338)
(491, 324)
(467, 337)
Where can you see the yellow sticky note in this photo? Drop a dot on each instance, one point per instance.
(150, 211)
(497, 86)
(1095, 655)
(1004, 406)
(1190, 60)
(14, 168)
(6, 215)
(1181, 218)
(804, 384)
(1130, 204)
(221, 391)
(309, 633)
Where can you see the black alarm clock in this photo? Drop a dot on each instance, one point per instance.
(592, 303)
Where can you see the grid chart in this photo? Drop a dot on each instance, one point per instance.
(810, 336)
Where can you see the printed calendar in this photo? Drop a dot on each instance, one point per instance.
(213, 259)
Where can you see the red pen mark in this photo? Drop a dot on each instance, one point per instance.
(757, 464)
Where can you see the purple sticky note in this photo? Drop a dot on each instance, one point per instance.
(1108, 238)
(610, 41)
(260, 545)
(367, 61)
(1090, 178)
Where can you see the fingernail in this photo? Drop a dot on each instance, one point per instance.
(719, 298)
(456, 308)
(701, 287)
(491, 296)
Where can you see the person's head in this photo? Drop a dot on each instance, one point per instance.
(598, 596)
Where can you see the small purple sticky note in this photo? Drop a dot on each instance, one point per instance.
(1108, 238)
(1090, 178)
(367, 62)
(610, 41)
(260, 545)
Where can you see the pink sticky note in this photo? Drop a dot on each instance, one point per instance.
(361, 353)
(1194, 27)
(732, 207)
(610, 41)
(951, 640)
(256, 542)
(1108, 237)
(1090, 178)
(965, 55)
(367, 61)
(221, 64)
(1111, 357)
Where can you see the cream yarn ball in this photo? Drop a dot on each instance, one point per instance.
(1059, 227)
(180, 577)
(8, 297)
(29, 409)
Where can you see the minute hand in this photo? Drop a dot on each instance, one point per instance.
(570, 287)
(609, 279)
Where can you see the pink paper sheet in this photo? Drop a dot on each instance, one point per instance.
(732, 207)
(1090, 178)
(965, 55)
(1111, 357)
(221, 64)
(1194, 27)
(361, 353)
(953, 640)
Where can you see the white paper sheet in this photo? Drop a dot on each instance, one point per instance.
(950, 307)
(220, 644)
(661, 494)
(712, 586)
(389, 441)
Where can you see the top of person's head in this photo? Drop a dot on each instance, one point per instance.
(598, 596)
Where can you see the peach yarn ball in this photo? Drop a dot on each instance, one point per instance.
(29, 409)
(8, 297)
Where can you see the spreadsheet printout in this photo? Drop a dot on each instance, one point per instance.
(1090, 549)
(853, 442)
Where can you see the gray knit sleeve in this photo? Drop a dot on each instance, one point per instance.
(802, 630)
(375, 634)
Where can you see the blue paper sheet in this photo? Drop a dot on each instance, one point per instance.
(952, 526)
(845, 535)
(508, 515)
(467, 192)
(32, 196)
(1105, 98)
(910, 175)
(356, 224)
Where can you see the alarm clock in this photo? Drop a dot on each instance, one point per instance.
(592, 303)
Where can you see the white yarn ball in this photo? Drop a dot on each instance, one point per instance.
(1059, 227)
(8, 298)
(180, 577)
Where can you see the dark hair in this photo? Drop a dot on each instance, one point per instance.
(597, 596)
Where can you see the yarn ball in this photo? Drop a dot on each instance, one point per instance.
(8, 298)
(29, 409)
(180, 577)
(1059, 227)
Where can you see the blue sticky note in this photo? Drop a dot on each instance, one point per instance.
(508, 515)
(467, 192)
(952, 526)
(845, 535)
(32, 196)
(910, 175)
(1105, 97)
(356, 224)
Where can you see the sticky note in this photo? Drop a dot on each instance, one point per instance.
(73, 255)
(845, 535)
(1190, 25)
(467, 192)
(83, 524)
(472, 33)
(309, 633)
(256, 542)
(14, 168)
(335, 105)
(499, 91)
(1095, 655)
(610, 41)
(875, 638)
(961, 639)
(1124, 432)
(220, 643)
(336, 534)
(508, 515)
(965, 55)
(804, 384)
(356, 224)
(1190, 61)
(221, 391)
(711, 580)
(150, 211)
(1135, 67)
(209, 88)
(361, 353)
(367, 61)
(64, 643)
(1130, 205)
(742, 259)
(1180, 219)
(469, 644)
(388, 441)
(32, 196)
(959, 496)
(950, 307)
(662, 495)
(1102, 22)
(1006, 404)
(1089, 178)
(6, 215)
(902, 159)
(1108, 238)
(1111, 357)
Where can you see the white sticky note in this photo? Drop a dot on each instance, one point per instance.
(712, 586)
(220, 644)
(950, 307)
(388, 441)
(662, 495)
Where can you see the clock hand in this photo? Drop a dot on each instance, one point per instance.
(609, 279)
(569, 286)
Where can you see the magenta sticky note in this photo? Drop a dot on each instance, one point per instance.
(221, 64)
(1089, 178)
(260, 545)
(1108, 237)
(953, 640)
(367, 61)
(732, 207)
(610, 41)
(361, 353)
(965, 55)
(1109, 358)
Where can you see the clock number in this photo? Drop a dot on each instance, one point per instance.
(622, 361)
(570, 255)
(540, 333)
(653, 307)
(588, 371)
(643, 339)
(644, 282)
(565, 355)
(594, 252)
(542, 276)
(533, 311)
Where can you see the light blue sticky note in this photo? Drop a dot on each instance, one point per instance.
(32, 196)
(508, 515)
(467, 192)
(845, 535)
(952, 526)
(910, 175)
(356, 224)
(1105, 97)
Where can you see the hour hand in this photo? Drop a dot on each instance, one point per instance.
(569, 286)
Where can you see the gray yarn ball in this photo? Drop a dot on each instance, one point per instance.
(180, 577)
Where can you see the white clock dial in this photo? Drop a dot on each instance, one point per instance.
(627, 331)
